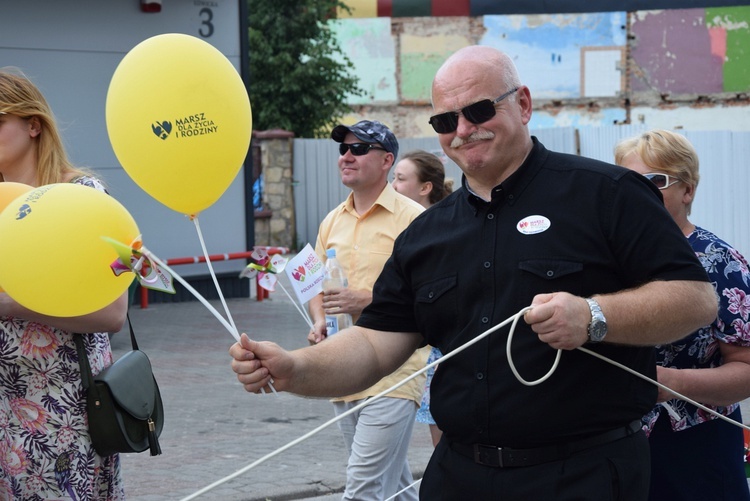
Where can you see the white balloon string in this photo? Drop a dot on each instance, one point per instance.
(213, 275)
(514, 319)
(232, 331)
(301, 310)
(231, 328)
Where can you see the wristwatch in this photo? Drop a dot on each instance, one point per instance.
(598, 326)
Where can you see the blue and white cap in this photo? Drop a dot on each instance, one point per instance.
(369, 131)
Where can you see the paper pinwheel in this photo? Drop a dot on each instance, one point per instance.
(265, 267)
(132, 258)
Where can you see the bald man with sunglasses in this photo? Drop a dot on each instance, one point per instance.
(588, 245)
(362, 231)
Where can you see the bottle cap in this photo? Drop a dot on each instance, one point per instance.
(331, 253)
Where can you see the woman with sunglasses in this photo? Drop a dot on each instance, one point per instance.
(696, 456)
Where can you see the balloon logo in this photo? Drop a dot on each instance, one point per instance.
(53, 259)
(179, 120)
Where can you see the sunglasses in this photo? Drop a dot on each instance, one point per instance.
(476, 113)
(358, 149)
(662, 181)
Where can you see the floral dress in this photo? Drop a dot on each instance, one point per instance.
(729, 274)
(423, 413)
(695, 455)
(45, 449)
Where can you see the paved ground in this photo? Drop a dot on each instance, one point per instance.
(214, 428)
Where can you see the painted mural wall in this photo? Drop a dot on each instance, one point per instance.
(685, 68)
(698, 51)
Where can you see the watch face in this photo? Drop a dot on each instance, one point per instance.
(597, 331)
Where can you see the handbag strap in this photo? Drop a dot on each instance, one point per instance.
(83, 360)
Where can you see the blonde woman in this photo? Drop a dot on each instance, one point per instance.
(696, 456)
(45, 449)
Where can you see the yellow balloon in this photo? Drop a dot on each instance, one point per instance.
(53, 259)
(179, 120)
(10, 191)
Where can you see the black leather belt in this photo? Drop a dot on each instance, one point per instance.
(505, 457)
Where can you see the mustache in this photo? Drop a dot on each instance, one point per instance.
(479, 135)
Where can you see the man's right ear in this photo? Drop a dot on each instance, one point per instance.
(524, 101)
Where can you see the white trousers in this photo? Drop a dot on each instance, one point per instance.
(377, 438)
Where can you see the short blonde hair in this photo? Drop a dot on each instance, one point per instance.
(663, 151)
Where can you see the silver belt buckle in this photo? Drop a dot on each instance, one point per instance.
(485, 454)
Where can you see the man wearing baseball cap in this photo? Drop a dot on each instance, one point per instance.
(369, 132)
(362, 231)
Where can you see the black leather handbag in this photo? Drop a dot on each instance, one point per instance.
(123, 403)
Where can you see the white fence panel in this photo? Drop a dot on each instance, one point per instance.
(317, 186)
(562, 139)
(721, 205)
(600, 142)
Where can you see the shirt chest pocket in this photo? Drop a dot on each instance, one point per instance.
(550, 269)
(436, 306)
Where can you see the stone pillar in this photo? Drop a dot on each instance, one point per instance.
(274, 224)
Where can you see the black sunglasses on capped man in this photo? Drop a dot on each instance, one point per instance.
(358, 149)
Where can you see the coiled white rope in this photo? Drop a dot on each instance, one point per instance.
(616, 364)
(514, 319)
(510, 356)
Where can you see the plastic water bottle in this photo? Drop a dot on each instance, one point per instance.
(335, 278)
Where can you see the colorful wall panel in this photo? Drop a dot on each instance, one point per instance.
(423, 48)
(732, 27)
(548, 50)
(474, 8)
(676, 56)
(406, 8)
(370, 47)
(692, 51)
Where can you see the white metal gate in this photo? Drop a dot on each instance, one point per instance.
(721, 204)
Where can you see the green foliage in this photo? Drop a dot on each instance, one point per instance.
(299, 78)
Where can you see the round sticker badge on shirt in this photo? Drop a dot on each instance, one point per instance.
(531, 225)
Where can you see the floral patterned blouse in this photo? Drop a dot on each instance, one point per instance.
(45, 449)
(728, 271)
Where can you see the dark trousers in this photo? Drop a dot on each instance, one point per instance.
(616, 471)
(704, 462)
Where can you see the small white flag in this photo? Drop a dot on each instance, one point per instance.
(306, 273)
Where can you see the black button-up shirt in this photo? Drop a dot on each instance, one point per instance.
(559, 223)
